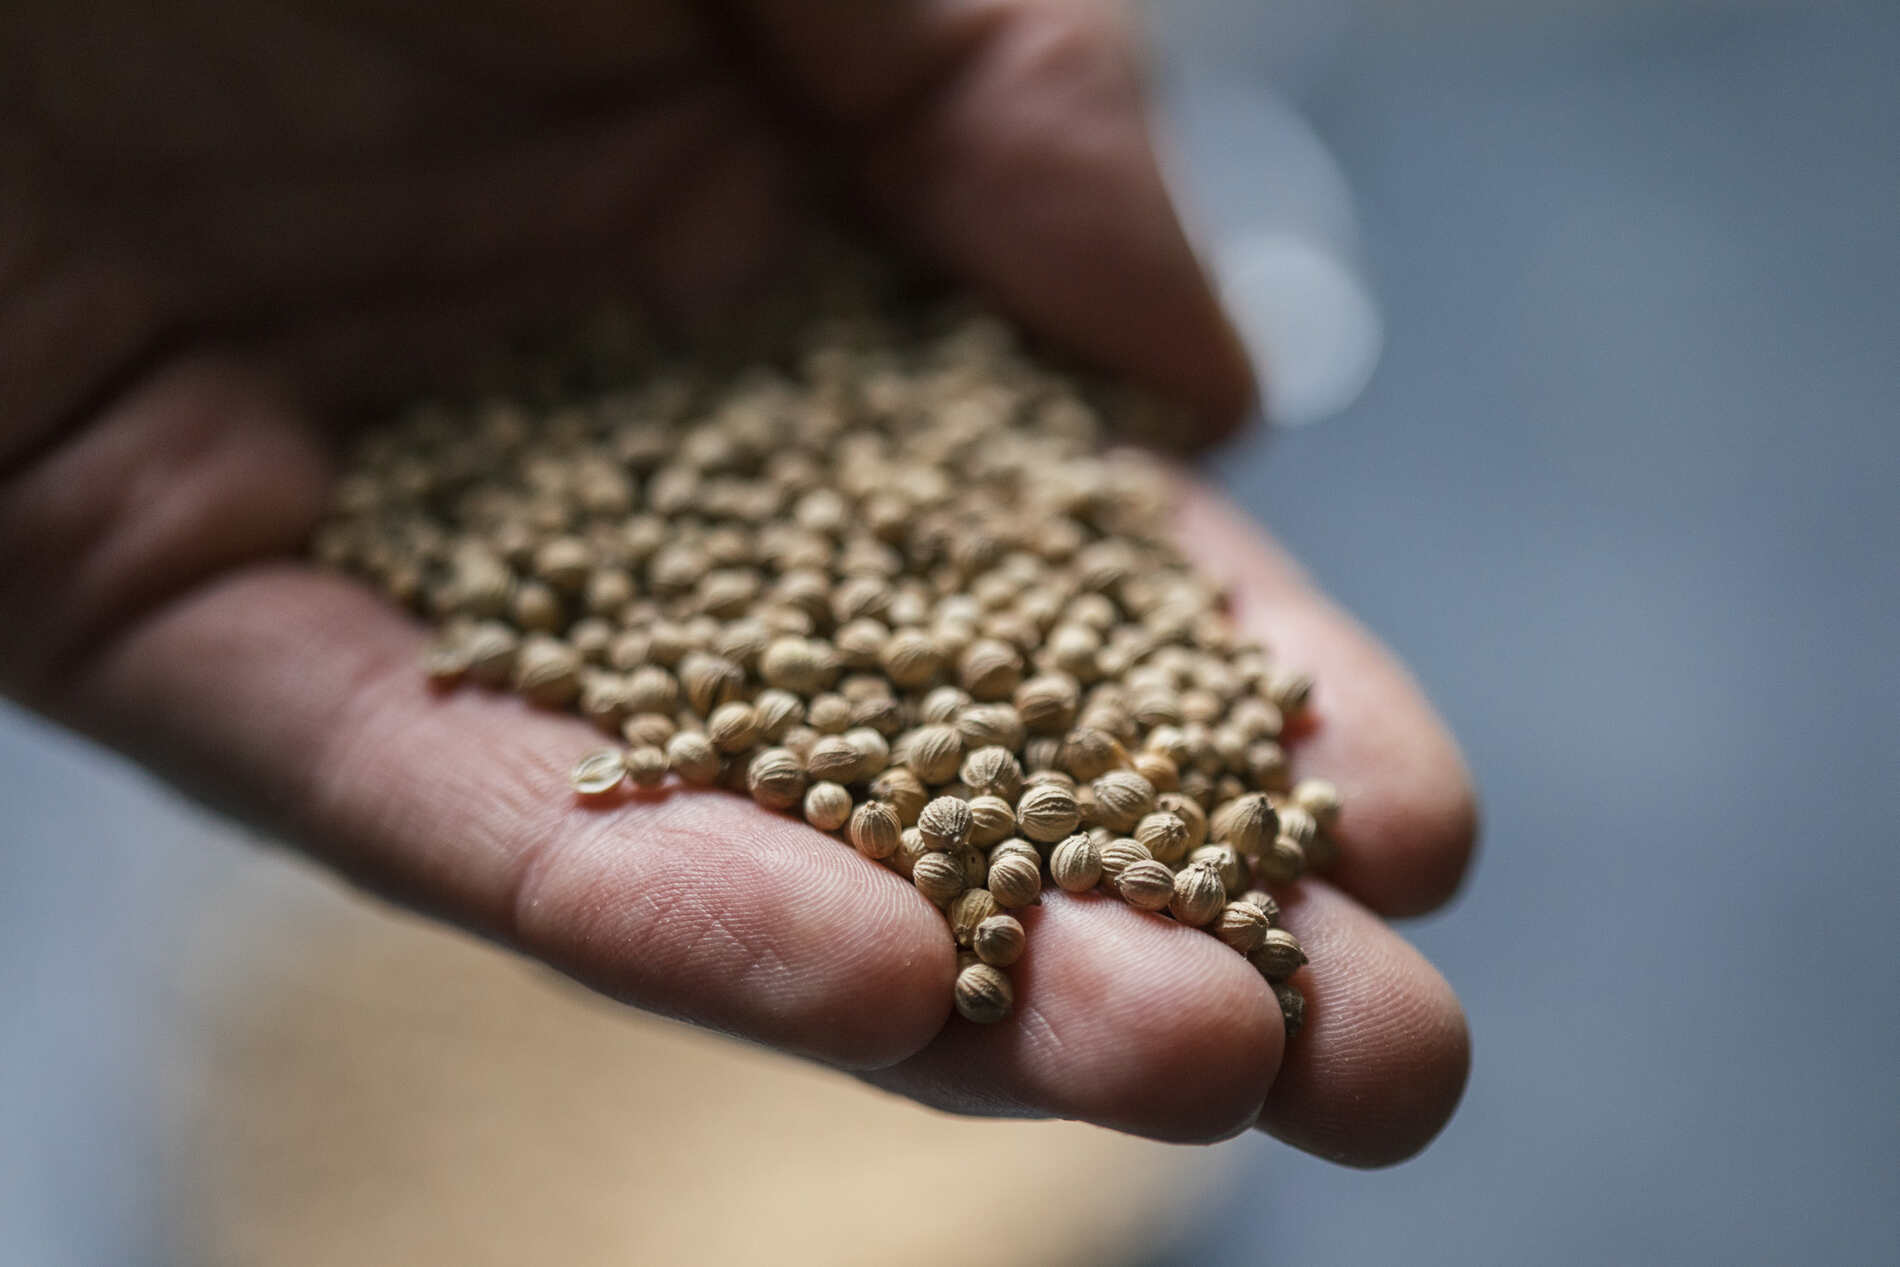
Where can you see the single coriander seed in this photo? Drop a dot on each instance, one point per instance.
(1076, 864)
(598, 773)
(1198, 894)
(1015, 881)
(1242, 925)
(875, 829)
(1278, 956)
(693, 758)
(999, 940)
(776, 778)
(983, 994)
(1147, 885)
(646, 766)
(827, 806)
(945, 823)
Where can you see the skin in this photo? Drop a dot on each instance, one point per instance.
(231, 224)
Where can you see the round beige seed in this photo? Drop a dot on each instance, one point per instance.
(1122, 797)
(1164, 834)
(983, 994)
(1198, 894)
(910, 658)
(991, 820)
(1047, 703)
(1089, 753)
(945, 823)
(646, 766)
(1278, 955)
(999, 940)
(1246, 822)
(1227, 863)
(1076, 864)
(932, 752)
(1120, 854)
(903, 791)
(1263, 901)
(993, 771)
(776, 778)
(875, 830)
(1298, 825)
(1281, 862)
(834, 757)
(1015, 881)
(733, 727)
(1148, 885)
(547, 671)
(827, 806)
(598, 773)
(1047, 813)
(1242, 925)
(970, 909)
(1319, 798)
(938, 876)
(693, 758)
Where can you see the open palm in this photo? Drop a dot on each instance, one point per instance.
(235, 220)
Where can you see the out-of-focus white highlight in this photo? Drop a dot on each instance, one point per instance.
(1310, 326)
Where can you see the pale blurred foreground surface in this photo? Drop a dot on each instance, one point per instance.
(363, 1088)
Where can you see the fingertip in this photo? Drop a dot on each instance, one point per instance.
(1125, 1020)
(704, 907)
(1382, 1060)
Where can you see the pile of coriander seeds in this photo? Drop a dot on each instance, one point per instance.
(886, 579)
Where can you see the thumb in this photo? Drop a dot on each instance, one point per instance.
(1009, 140)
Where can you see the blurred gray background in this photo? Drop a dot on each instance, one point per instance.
(1621, 490)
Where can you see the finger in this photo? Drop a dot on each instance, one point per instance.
(1410, 824)
(1382, 1059)
(1124, 1019)
(1009, 139)
(294, 699)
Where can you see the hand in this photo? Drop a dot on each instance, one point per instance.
(234, 217)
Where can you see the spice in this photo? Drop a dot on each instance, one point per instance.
(970, 909)
(1198, 894)
(999, 940)
(938, 876)
(1242, 925)
(776, 778)
(882, 579)
(646, 766)
(1076, 864)
(945, 823)
(598, 773)
(693, 758)
(1014, 880)
(1148, 885)
(1048, 812)
(983, 994)
(875, 829)
(827, 806)
(1278, 955)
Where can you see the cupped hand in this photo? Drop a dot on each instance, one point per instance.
(227, 220)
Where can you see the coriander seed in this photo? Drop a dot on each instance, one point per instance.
(646, 766)
(999, 940)
(827, 806)
(1076, 864)
(1014, 880)
(1148, 885)
(983, 994)
(598, 773)
(1278, 955)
